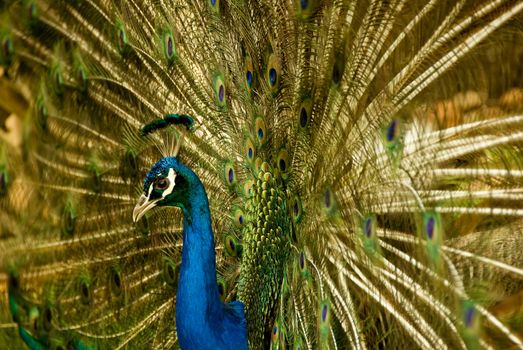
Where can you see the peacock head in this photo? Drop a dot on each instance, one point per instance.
(166, 184)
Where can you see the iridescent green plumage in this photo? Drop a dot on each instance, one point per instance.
(267, 239)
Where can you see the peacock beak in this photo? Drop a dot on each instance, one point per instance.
(143, 205)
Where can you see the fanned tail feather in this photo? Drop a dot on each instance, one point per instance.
(363, 162)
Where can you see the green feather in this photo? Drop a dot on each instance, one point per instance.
(362, 162)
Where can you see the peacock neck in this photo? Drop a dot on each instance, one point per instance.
(197, 296)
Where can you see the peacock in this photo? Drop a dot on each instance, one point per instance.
(270, 174)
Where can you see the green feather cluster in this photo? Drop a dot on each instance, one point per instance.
(362, 159)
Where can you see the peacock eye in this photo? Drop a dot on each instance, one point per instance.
(161, 184)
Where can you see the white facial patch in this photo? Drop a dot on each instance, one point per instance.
(171, 176)
(150, 191)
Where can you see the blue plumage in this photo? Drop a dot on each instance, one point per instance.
(203, 321)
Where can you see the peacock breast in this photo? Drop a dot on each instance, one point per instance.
(266, 242)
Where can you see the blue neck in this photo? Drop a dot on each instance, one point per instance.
(203, 321)
(198, 302)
